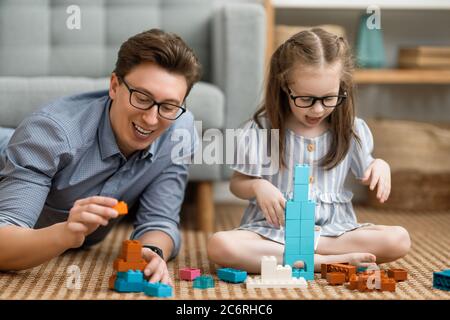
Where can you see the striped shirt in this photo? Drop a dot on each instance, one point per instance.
(334, 210)
(67, 151)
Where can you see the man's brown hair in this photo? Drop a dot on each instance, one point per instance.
(165, 49)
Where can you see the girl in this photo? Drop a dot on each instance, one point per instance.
(309, 98)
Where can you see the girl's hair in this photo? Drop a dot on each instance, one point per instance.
(310, 48)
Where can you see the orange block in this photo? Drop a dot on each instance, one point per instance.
(353, 282)
(341, 267)
(398, 274)
(112, 280)
(388, 285)
(131, 251)
(324, 270)
(123, 266)
(335, 278)
(121, 207)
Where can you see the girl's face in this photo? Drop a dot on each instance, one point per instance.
(318, 82)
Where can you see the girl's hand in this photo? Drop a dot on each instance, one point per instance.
(156, 267)
(379, 173)
(271, 201)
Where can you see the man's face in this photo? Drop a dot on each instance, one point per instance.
(136, 129)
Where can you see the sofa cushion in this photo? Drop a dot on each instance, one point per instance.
(19, 96)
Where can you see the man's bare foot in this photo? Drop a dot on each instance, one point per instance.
(356, 259)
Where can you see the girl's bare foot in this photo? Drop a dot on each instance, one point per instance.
(356, 259)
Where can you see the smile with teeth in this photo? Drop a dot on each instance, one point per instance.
(141, 130)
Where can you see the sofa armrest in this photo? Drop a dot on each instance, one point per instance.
(238, 54)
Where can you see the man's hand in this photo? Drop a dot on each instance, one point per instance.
(379, 173)
(87, 215)
(156, 268)
(271, 201)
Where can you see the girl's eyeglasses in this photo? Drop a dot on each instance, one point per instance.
(309, 101)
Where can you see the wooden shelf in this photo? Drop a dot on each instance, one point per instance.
(363, 4)
(402, 76)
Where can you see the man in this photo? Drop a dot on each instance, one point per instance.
(67, 165)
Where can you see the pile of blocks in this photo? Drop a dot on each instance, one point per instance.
(363, 281)
(299, 227)
(129, 276)
(441, 280)
(275, 276)
(199, 281)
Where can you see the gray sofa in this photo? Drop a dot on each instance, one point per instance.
(41, 59)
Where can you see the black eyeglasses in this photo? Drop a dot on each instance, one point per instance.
(143, 101)
(309, 101)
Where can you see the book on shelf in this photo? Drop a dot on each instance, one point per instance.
(424, 57)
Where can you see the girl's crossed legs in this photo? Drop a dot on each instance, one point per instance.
(241, 249)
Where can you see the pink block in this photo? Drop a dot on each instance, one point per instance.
(189, 273)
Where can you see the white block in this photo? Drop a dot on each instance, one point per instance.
(254, 283)
(268, 268)
(283, 273)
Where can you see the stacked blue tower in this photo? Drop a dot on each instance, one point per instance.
(299, 228)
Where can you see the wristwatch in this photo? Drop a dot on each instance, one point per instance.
(154, 249)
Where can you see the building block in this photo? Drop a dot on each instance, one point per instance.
(203, 282)
(123, 266)
(300, 218)
(293, 228)
(157, 289)
(121, 208)
(129, 282)
(131, 276)
(301, 192)
(232, 275)
(441, 280)
(335, 278)
(268, 267)
(292, 245)
(112, 281)
(398, 274)
(308, 210)
(131, 251)
(301, 174)
(341, 267)
(293, 210)
(307, 245)
(189, 273)
(307, 229)
(388, 284)
(254, 283)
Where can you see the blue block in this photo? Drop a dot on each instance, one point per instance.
(158, 289)
(232, 275)
(441, 280)
(292, 245)
(133, 276)
(296, 272)
(290, 259)
(308, 275)
(300, 273)
(292, 228)
(307, 228)
(308, 260)
(203, 282)
(301, 174)
(300, 192)
(123, 286)
(308, 210)
(293, 210)
(306, 245)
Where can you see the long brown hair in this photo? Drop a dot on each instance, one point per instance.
(310, 48)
